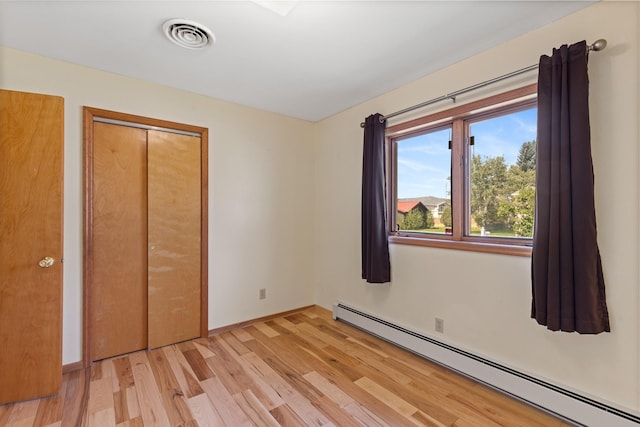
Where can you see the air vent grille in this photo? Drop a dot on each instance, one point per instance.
(188, 34)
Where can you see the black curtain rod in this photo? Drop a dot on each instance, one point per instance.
(596, 46)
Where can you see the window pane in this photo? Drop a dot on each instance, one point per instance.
(502, 175)
(424, 183)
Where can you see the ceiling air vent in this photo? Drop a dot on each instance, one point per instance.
(188, 34)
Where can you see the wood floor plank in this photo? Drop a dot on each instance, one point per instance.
(203, 411)
(122, 370)
(383, 375)
(337, 414)
(203, 349)
(285, 324)
(418, 399)
(182, 371)
(227, 407)
(101, 395)
(5, 411)
(256, 384)
(335, 373)
(301, 369)
(109, 370)
(120, 409)
(262, 327)
(329, 389)
(364, 415)
(287, 417)
(394, 401)
(241, 334)
(230, 372)
(102, 418)
(426, 420)
(133, 406)
(75, 400)
(175, 404)
(151, 407)
(23, 413)
(285, 368)
(292, 398)
(238, 346)
(135, 422)
(288, 349)
(296, 318)
(198, 364)
(255, 410)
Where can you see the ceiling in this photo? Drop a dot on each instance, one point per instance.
(321, 58)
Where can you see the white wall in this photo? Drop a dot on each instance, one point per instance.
(260, 188)
(484, 299)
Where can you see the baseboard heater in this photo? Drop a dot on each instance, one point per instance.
(571, 406)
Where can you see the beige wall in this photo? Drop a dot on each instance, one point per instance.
(275, 224)
(260, 204)
(484, 299)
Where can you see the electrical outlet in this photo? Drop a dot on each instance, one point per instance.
(263, 293)
(440, 325)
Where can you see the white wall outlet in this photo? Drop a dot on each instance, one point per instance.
(263, 293)
(440, 325)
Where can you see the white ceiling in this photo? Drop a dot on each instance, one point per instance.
(320, 59)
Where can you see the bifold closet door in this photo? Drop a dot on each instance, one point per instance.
(118, 312)
(174, 250)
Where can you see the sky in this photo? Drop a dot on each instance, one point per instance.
(424, 161)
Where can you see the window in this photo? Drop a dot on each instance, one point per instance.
(465, 178)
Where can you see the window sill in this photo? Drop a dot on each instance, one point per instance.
(462, 245)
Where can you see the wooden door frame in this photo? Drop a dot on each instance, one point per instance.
(89, 114)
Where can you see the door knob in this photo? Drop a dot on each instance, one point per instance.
(46, 262)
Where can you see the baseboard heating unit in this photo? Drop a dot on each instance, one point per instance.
(571, 406)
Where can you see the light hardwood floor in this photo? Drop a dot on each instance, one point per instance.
(302, 369)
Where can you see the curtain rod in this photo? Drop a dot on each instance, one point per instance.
(596, 46)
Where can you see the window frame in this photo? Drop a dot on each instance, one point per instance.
(458, 118)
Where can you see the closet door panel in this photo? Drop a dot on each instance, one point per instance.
(174, 258)
(118, 315)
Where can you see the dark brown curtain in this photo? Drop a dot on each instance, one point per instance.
(567, 280)
(376, 266)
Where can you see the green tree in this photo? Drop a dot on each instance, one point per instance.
(518, 179)
(417, 219)
(428, 219)
(527, 156)
(413, 220)
(446, 216)
(488, 188)
(518, 212)
(524, 204)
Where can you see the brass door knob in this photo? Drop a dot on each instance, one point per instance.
(46, 262)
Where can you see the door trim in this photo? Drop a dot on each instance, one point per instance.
(90, 115)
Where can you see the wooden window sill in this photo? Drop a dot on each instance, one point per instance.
(464, 245)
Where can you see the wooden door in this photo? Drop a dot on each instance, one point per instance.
(119, 293)
(174, 237)
(31, 162)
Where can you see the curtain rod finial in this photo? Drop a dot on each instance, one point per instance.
(598, 45)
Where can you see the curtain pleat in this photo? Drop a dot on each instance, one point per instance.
(567, 280)
(376, 266)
